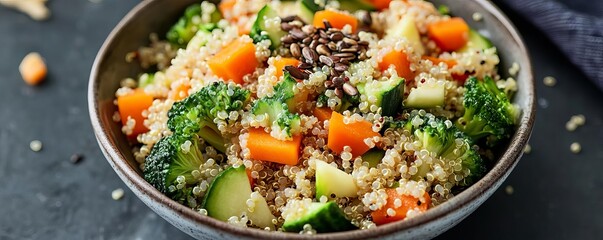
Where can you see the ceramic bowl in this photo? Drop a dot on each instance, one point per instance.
(155, 16)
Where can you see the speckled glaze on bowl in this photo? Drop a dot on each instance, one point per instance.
(157, 15)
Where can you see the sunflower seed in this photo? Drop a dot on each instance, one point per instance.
(289, 18)
(296, 72)
(287, 39)
(350, 41)
(323, 50)
(327, 24)
(332, 46)
(328, 84)
(349, 50)
(326, 60)
(344, 55)
(338, 92)
(337, 36)
(295, 50)
(340, 67)
(309, 54)
(297, 34)
(308, 29)
(323, 40)
(349, 89)
(305, 66)
(365, 18)
(337, 81)
(286, 26)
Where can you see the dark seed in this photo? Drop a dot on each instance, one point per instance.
(305, 66)
(309, 54)
(363, 43)
(323, 50)
(349, 89)
(314, 44)
(286, 26)
(365, 18)
(337, 81)
(295, 50)
(332, 46)
(297, 34)
(336, 36)
(323, 40)
(287, 39)
(328, 84)
(340, 67)
(343, 55)
(308, 29)
(338, 92)
(327, 24)
(326, 60)
(296, 72)
(76, 158)
(341, 45)
(288, 18)
(307, 40)
(323, 34)
(350, 41)
(335, 58)
(349, 50)
(344, 61)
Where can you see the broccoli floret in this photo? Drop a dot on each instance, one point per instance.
(489, 113)
(347, 102)
(195, 114)
(186, 27)
(170, 165)
(446, 141)
(278, 108)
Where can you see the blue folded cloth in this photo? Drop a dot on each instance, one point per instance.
(575, 26)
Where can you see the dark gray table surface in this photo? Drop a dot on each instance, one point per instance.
(557, 194)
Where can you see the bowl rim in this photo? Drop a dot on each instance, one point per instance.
(505, 164)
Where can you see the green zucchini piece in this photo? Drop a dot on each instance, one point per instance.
(260, 31)
(227, 196)
(373, 157)
(476, 42)
(323, 217)
(389, 95)
(331, 180)
(426, 96)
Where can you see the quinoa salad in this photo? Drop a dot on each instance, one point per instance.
(316, 116)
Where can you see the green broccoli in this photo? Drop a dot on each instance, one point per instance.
(347, 102)
(442, 138)
(488, 113)
(170, 165)
(278, 107)
(195, 114)
(186, 27)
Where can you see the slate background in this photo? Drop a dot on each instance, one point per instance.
(558, 194)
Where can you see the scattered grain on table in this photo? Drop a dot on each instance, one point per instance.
(527, 149)
(509, 189)
(549, 81)
(575, 147)
(33, 69)
(117, 194)
(35, 145)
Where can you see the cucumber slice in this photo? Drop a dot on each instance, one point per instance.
(355, 5)
(426, 96)
(476, 42)
(389, 95)
(407, 28)
(304, 12)
(331, 180)
(323, 217)
(227, 196)
(373, 157)
(260, 31)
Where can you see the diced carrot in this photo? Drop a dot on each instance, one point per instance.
(449, 62)
(450, 34)
(281, 63)
(400, 61)
(251, 181)
(226, 7)
(234, 61)
(352, 135)
(264, 147)
(179, 93)
(132, 105)
(335, 18)
(408, 202)
(460, 78)
(381, 4)
(323, 113)
(33, 69)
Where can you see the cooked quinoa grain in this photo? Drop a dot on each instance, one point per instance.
(35, 145)
(293, 101)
